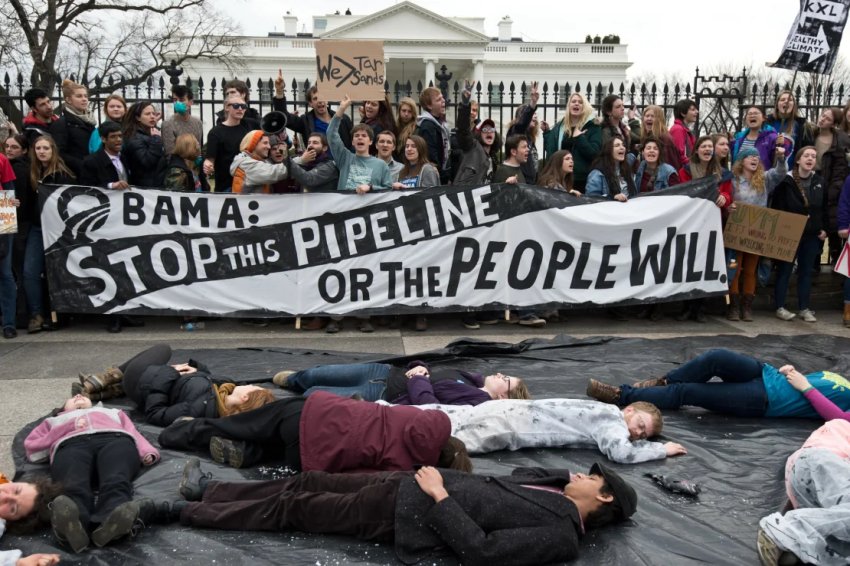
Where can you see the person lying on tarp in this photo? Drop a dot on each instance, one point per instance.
(534, 516)
(19, 499)
(416, 384)
(91, 450)
(556, 423)
(325, 432)
(166, 392)
(750, 388)
(817, 480)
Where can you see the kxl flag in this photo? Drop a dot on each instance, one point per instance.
(812, 43)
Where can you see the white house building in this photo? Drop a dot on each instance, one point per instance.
(418, 42)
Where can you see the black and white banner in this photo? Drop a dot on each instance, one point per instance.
(445, 248)
(812, 44)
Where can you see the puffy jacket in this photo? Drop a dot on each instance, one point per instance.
(765, 145)
(164, 395)
(79, 134)
(252, 175)
(46, 438)
(339, 434)
(144, 156)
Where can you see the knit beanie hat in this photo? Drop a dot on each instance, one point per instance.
(745, 152)
(250, 141)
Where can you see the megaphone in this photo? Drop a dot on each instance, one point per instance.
(274, 122)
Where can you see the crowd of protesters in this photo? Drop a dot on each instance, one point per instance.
(777, 160)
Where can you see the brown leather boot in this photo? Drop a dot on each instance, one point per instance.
(733, 310)
(652, 382)
(97, 382)
(109, 392)
(847, 315)
(603, 392)
(747, 308)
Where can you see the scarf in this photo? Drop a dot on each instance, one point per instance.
(86, 117)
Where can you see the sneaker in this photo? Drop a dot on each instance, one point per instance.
(532, 320)
(808, 315)
(488, 319)
(9, 332)
(784, 314)
(119, 523)
(366, 326)
(228, 452)
(65, 521)
(603, 392)
(36, 324)
(771, 555)
(470, 323)
(282, 377)
(333, 327)
(194, 481)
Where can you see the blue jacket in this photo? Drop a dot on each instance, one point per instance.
(662, 179)
(597, 184)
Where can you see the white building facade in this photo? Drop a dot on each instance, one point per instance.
(418, 43)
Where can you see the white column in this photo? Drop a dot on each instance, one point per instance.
(429, 72)
(478, 73)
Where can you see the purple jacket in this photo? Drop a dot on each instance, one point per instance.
(444, 386)
(844, 207)
(765, 145)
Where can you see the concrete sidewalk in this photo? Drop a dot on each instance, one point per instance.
(36, 370)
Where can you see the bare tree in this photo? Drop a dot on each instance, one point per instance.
(126, 40)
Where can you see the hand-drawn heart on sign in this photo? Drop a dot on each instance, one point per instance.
(355, 68)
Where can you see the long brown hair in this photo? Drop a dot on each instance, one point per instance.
(698, 170)
(422, 148)
(406, 130)
(553, 174)
(256, 399)
(54, 166)
(47, 490)
(131, 118)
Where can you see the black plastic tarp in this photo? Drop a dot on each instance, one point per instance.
(738, 462)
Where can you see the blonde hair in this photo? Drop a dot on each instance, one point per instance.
(586, 112)
(519, 391)
(659, 124)
(653, 412)
(55, 165)
(69, 87)
(256, 399)
(757, 182)
(186, 146)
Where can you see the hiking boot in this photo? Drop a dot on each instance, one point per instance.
(807, 315)
(119, 523)
(96, 382)
(733, 310)
(784, 314)
(603, 392)
(228, 452)
(771, 555)
(282, 377)
(36, 324)
(65, 521)
(78, 389)
(194, 482)
(747, 307)
(652, 382)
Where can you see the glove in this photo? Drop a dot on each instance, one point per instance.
(685, 487)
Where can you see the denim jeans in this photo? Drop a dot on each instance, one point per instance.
(8, 289)
(847, 290)
(741, 393)
(369, 380)
(33, 268)
(808, 249)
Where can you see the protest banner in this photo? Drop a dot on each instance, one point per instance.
(445, 248)
(764, 231)
(812, 44)
(8, 213)
(353, 68)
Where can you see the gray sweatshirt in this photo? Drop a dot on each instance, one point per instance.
(512, 424)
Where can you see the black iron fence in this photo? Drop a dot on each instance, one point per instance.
(722, 100)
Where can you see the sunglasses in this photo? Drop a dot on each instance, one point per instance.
(239, 106)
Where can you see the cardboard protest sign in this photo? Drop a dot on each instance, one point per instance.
(812, 42)
(842, 266)
(764, 231)
(8, 213)
(355, 68)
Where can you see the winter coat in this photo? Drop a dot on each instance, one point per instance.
(843, 217)
(662, 177)
(251, 175)
(306, 124)
(724, 184)
(79, 134)
(178, 176)
(529, 168)
(475, 161)
(164, 395)
(437, 138)
(787, 197)
(765, 145)
(321, 175)
(145, 159)
(337, 434)
(684, 140)
(584, 148)
(834, 169)
(49, 435)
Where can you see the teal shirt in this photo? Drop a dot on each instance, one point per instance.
(355, 170)
(785, 401)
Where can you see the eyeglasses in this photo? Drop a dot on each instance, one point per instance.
(239, 106)
(488, 130)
